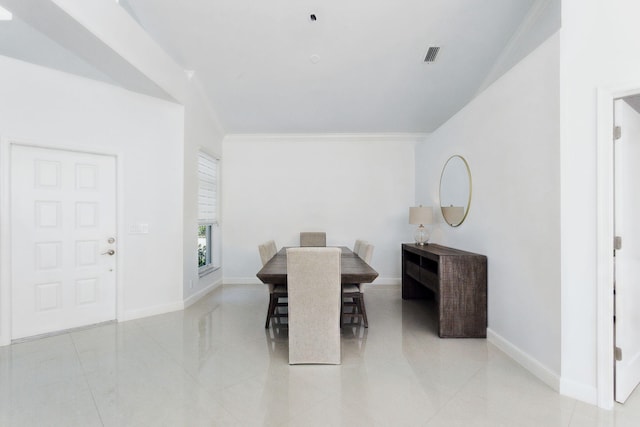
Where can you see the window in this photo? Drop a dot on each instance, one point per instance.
(208, 229)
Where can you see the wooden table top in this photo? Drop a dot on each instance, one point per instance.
(353, 269)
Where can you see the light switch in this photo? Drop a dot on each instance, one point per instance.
(139, 228)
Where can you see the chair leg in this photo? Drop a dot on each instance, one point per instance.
(358, 309)
(343, 313)
(270, 310)
(277, 313)
(363, 311)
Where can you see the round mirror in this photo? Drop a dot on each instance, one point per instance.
(455, 190)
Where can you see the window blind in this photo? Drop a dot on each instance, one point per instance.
(207, 189)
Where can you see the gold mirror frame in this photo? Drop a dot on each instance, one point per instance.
(453, 214)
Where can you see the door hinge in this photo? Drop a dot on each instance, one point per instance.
(618, 354)
(617, 133)
(617, 243)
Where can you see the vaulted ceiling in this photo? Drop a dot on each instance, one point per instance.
(305, 66)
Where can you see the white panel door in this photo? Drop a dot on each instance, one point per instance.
(627, 259)
(63, 225)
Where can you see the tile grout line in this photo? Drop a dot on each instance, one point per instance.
(185, 371)
(167, 353)
(86, 379)
(453, 396)
(573, 413)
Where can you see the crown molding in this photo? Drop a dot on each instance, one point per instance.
(327, 137)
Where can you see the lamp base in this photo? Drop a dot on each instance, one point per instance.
(421, 235)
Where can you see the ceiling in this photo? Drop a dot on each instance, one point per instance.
(267, 67)
(19, 40)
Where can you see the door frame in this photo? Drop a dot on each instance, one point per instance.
(5, 224)
(605, 230)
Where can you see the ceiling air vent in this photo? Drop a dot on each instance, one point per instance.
(431, 54)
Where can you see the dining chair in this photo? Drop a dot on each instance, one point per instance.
(357, 245)
(366, 252)
(313, 238)
(353, 294)
(313, 280)
(276, 292)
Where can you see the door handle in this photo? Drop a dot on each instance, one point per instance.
(109, 252)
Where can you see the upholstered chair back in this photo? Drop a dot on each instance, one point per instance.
(315, 294)
(267, 251)
(313, 238)
(358, 245)
(366, 252)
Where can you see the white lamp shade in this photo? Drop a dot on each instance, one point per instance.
(420, 215)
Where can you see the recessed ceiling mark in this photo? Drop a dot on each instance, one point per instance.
(313, 17)
(431, 54)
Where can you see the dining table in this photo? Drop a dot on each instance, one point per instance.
(353, 269)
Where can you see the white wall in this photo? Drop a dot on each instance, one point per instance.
(202, 132)
(150, 70)
(349, 186)
(137, 51)
(611, 29)
(510, 136)
(50, 108)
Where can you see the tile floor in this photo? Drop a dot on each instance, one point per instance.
(215, 365)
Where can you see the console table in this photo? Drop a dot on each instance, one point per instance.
(458, 282)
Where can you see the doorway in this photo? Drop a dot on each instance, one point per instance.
(626, 246)
(606, 342)
(63, 239)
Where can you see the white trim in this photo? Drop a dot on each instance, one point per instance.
(241, 281)
(5, 246)
(120, 232)
(62, 332)
(202, 293)
(152, 311)
(604, 249)
(385, 281)
(338, 137)
(388, 286)
(605, 230)
(582, 392)
(545, 374)
(206, 270)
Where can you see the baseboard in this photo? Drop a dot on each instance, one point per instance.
(4, 340)
(585, 393)
(201, 293)
(386, 281)
(241, 281)
(546, 375)
(151, 311)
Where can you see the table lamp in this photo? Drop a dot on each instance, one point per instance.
(420, 215)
